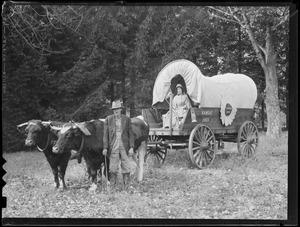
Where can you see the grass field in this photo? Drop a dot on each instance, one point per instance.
(228, 189)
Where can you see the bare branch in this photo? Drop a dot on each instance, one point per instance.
(234, 16)
(262, 49)
(223, 12)
(280, 23)
(255, 45)
(223, 18)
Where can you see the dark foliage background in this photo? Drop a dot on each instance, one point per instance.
(66, 63)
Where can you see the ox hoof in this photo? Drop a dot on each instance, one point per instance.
(61, 189)
(93, 188)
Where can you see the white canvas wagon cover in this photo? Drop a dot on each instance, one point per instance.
(237, 89)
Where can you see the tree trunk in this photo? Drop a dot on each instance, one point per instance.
(112, 92)
(123, 79)
(272, 103)
(262, 114)
(272, 99)
(240, 51)
(268, 63)
(132, 95)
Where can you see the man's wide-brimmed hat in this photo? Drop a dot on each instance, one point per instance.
(117, 105)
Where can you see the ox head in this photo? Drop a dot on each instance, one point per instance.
(34, 130)
(70, 137)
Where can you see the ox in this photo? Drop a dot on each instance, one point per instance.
(87, 139)
(39, 134)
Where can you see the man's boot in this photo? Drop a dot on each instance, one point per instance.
(126, 180)
(113, 181)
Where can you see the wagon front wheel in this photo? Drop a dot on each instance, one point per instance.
(247, 140)
(155, 149)
(202, 146)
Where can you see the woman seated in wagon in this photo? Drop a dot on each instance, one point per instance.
(181, 104)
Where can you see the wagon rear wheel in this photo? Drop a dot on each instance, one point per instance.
(202, 146)
(156, 150)
(247, 140)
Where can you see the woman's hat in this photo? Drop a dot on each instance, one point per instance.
(117, 105)
(179, 85)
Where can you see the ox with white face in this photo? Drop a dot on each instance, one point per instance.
(39, 134)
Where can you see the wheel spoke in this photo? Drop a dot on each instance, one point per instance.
(252, 148)
(204, 159)
(242, 144)
(243, 147)
(162, 151)
(248, 150)
(244, 134)
(159, 160)
(197, 137)
(208, 153)
(196, 143)
(201, 160)
(196, 148)
(198, 158)
(243, 137)
(196, 154)
(158, 155)
(210, 138)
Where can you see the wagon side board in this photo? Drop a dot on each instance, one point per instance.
(212, 118)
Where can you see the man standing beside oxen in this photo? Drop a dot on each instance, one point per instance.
(118, 144)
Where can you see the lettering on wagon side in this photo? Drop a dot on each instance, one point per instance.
(206, 112)
(205, 119)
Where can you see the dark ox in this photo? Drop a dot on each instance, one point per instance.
(39, 134)
(87, 139)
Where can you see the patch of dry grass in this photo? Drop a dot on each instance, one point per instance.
(176, 189)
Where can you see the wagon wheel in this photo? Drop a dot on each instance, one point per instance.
(202, 146)
(247, 139)
(158, 151)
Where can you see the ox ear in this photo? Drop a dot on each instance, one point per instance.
(83, 129)
(21, 127)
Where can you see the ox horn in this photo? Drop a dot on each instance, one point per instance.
(55, 127)
(46, 122)
(84, 130)
(21, 125)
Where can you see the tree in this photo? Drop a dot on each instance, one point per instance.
(262, 24)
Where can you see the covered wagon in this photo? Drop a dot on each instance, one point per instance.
(222, 111)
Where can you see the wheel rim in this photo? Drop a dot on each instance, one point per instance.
(158, 152)
(247, 139)
(202, 146)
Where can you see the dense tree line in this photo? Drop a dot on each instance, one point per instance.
(66, 62)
